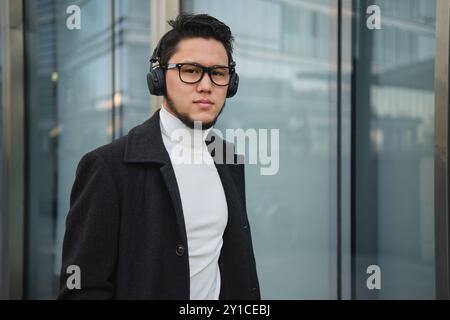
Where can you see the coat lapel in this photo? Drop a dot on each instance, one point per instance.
(171, 184)
(145, 145)
(231, 195)
(227, 172)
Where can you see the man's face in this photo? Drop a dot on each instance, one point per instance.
(201, 101)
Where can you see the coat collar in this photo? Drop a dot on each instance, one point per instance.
(144, 143)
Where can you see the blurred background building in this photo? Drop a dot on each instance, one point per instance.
(363, 134)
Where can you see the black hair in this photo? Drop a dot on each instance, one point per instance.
(187, 26)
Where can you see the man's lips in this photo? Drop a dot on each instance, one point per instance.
(203, 103)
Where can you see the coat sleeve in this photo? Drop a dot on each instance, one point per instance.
(92, 231)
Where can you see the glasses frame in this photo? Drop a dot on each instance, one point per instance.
(207, 70)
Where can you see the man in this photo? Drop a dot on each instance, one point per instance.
(143, 224)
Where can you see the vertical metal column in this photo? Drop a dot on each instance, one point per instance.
(162, 10)
(13, 198)
(441, 173)
(344, 167)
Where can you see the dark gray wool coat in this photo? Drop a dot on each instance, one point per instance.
(125, 228)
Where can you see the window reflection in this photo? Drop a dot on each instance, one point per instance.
(87, 87)
(287, 81)
(395, 150)
(74, 79)
(133, 41)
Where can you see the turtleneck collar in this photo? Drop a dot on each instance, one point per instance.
(177, 132)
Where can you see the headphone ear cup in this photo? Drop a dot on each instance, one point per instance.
(156, 82)
(233, 86)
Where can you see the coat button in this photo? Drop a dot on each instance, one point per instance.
(245, 227)
(180, 250)
(254, 290)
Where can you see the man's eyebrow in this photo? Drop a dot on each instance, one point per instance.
(194, 62)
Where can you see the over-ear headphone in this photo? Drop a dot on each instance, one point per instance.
(156, 80)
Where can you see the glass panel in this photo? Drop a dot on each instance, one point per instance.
(285, 53)
(70, 92)
(394, 69)
(69, 111)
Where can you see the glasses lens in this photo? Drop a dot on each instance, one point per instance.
(220, 76)
(190, 73)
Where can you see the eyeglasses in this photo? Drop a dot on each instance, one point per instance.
(192, 73)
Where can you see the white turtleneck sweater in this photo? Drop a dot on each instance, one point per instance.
(203, 200)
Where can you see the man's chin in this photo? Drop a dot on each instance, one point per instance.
(203, 124)
(197, 122)
(205, 120)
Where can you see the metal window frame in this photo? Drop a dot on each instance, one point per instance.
(441, 173)
(162, 11)
(13, 195)
(345, 155)
(363, 240)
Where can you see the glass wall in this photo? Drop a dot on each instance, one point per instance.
(86, 87)
(286, 59)
(83, 91)
(394, 149)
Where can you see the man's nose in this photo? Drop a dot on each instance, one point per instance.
(205, 84)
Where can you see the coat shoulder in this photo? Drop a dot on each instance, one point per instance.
(113, 152)
(113, 149)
